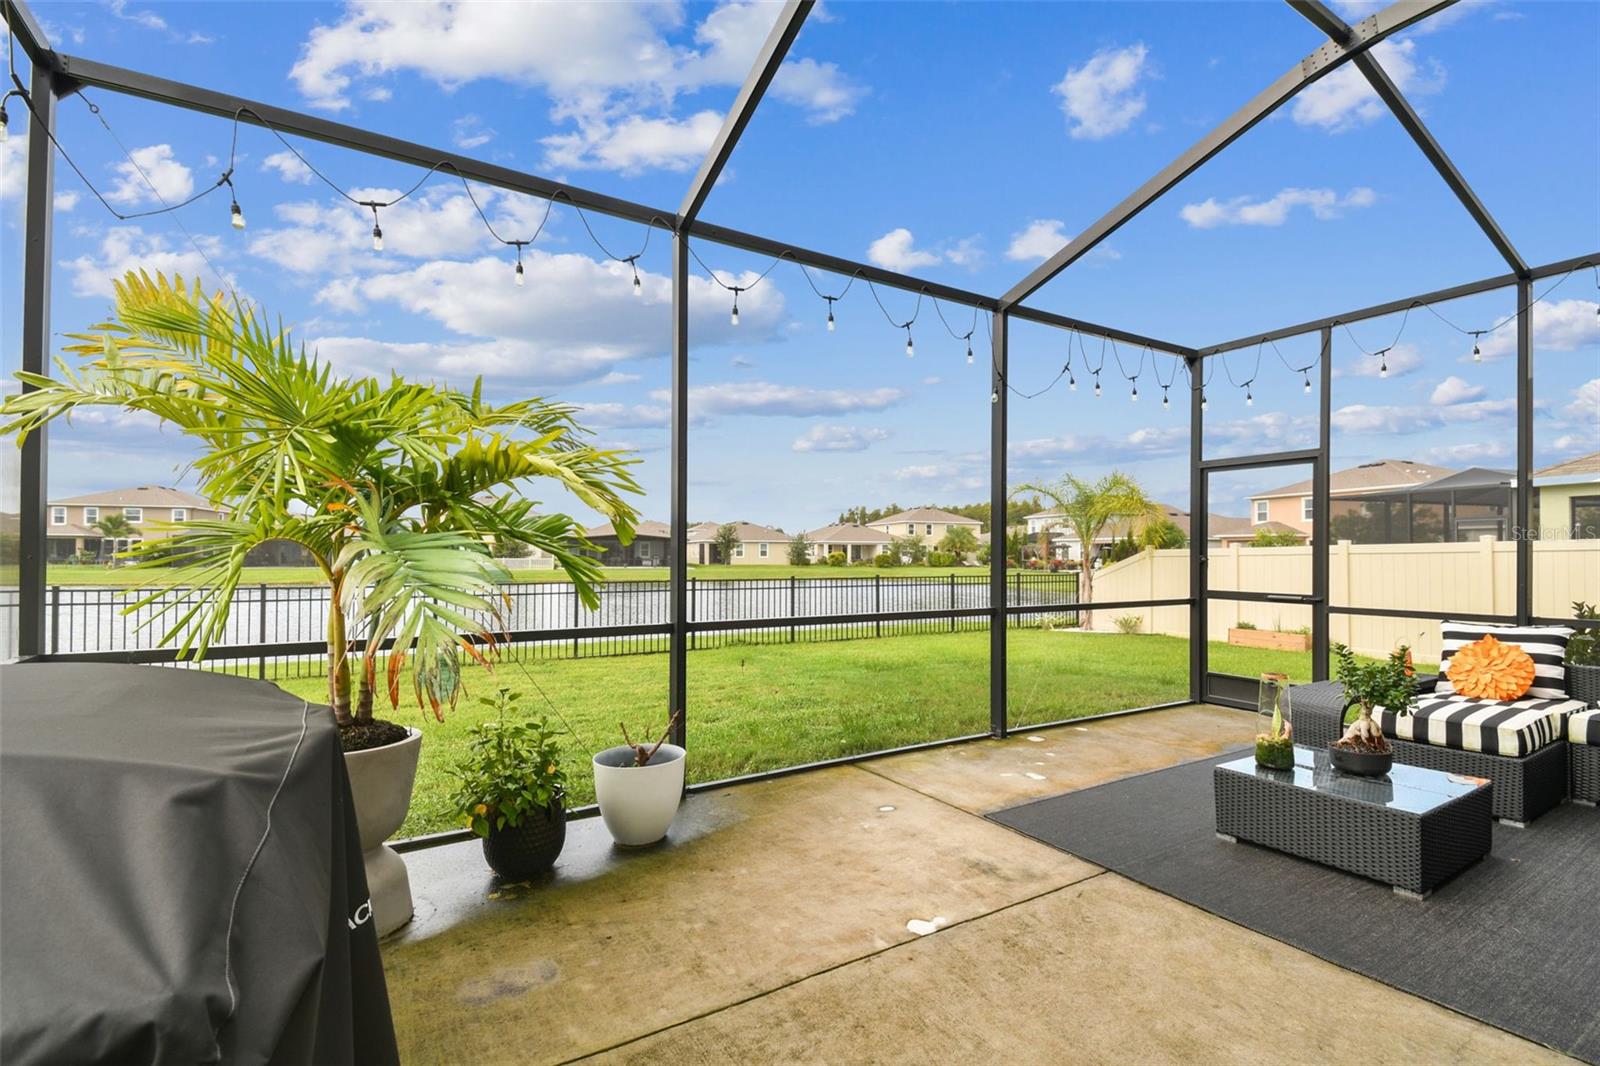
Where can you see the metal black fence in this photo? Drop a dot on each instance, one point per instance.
(279, 629)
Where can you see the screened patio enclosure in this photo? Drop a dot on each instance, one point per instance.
(1470, 505)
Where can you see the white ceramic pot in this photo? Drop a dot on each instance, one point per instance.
(380, 782)
(638, 802)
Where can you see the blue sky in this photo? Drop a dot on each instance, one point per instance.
(960, 142)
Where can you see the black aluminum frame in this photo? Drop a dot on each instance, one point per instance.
(55, 74)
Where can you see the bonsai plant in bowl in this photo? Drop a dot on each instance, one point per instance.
(512, 791)
(1583, 656)
(639, 787)
(1390, 684)
(394, 488)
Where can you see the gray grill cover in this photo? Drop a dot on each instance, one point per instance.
(134, 801)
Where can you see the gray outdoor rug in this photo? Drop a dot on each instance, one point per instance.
(1513, 941)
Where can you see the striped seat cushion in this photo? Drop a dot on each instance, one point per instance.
(1584, 727)
(1545, 645)
(1495, 728)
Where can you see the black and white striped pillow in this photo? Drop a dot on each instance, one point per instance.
(1545, 645)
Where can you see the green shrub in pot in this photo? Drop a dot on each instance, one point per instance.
(1583, 655)
(512, 790)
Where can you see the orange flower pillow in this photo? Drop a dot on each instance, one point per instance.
(1489, 670)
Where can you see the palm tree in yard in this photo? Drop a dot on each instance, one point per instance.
(1087, 507)
(394, 488)
(113, 527)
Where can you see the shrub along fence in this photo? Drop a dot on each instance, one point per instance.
(278, 629)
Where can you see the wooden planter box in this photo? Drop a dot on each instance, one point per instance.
(1269, 638)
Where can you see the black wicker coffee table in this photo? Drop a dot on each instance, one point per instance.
(1413, 828)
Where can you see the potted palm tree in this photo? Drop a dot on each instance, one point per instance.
(394, 488)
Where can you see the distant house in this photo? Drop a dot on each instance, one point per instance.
(929, 523)
(151, 511)
(648, 547)
(853, 542)
(1064, 541)
(756, 544)
(1290, 505)
(1567, 497)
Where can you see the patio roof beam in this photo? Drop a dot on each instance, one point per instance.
(768, 60)
(1325, 20)
(850, 268)
(28, 33)
(1456, 292)
(1366, 33)
(294, 123)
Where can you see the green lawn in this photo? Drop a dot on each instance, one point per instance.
(760, 707)
(306, 575)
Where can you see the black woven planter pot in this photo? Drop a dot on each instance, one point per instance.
(529, 849)
(1583, 683)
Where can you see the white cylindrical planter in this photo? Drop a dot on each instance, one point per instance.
(380, 783)
(638, 802)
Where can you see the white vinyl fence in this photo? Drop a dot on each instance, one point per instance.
(1472, 578)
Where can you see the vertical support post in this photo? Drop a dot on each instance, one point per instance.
(997, 530)
(1321, 511)
(33, 481)
(1524, 516)
(261, 627)
(1199, 530)
(678, 543)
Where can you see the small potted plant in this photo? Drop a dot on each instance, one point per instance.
(1390, 684)
(639, 787)
(1583, 656)
(512, 790)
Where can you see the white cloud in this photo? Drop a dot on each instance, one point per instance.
(1558, 326)
(1344, 99)
(469, 132)
(1471, 453)
(1410, 418)
(766, 398)
(1454, 390)
(14, 165)
(895, 251)
(287, 165)
(1401, 359)
(1145, 441)
(125, 248)
(833, 438)
(624, 415)
(163, 177)
(1042, 238)
(66, 201)
(608, 67)
(1325, 204)
(634, 144)
(1585, 407)
(1101, 97)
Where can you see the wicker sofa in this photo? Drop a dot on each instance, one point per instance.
(1583, 756)
(1526, 785)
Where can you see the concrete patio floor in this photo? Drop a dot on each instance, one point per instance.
(773, 927)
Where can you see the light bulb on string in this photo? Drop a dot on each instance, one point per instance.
(911, 350)
(830, 314)
(520, 277)
(1249, 400)
(969, 350)
(1135, 397)
(5, 125)
(1097, 384)
(734, 316)
(1383, 363)
(1165, 401)
(1477, 352)
(237, 215)
(638, 286)
(1072, 382)
(377, 230)
(994, 395)
(1307, 383)
(1202, 399)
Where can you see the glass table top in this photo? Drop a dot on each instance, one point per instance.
(1406, 788)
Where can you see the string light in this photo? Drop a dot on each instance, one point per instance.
(1383, 363)
(1249, 400)
(911, 350)
(1477, 352)
(734, 317)
(1308, 384)
(5, 119)
(969, 350)
(238, 215)
(1097, 384)
(1202, 399)
(830, 300)
(994, 396)
(1165, 402)
(638, 286)
(377, 230)
(1135, 397)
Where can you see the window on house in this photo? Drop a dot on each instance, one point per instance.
(1261, 511)
(1586, 518)
(1305, 508)
(58, 516)
(133, 514)
(763, 549)
(180, 514)
(930, 529)
(738, 551)
(911, 528)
